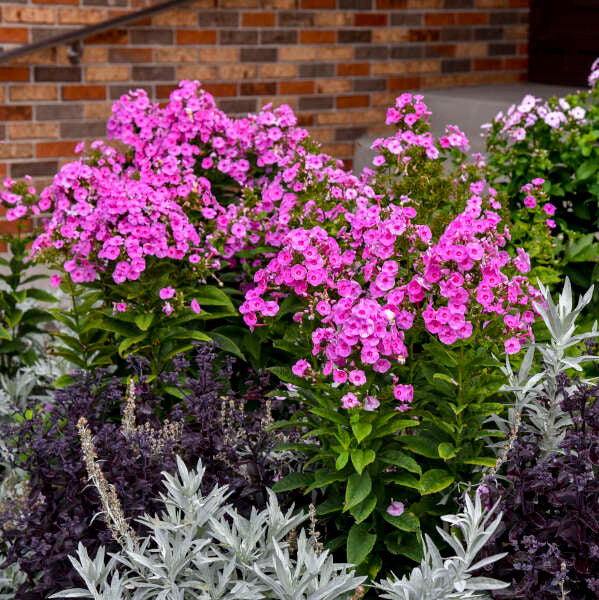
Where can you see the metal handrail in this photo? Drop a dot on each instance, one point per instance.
(80, 34)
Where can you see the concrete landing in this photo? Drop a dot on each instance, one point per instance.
(468, 108)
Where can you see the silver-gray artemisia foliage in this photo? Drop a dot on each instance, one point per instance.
(200, 548)
(440, 578)
(547, 418)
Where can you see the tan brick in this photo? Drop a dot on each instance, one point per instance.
(81, 16)
(18, 93)
(333, 19)
(470, 79)
(385, 36)
(372, 115)
(91, 54)
(32, 131)
(277, 71)
(279, 4)
(338, 150)
(29, 14)
(423, 66)
(172, 18)
(339, 53)
(12, 150)
(392, 68)
(323, 135)
(238, 72)
(383, 99)
(46, 56)
(519, 32)
(107, 73)
(344, 117)
(218, 55)
(279, 101)
(201, 72)
(294, 53)
(94, 54)
(333, 86)
(97, 110)
(175, 55)
(471, 50)
(239, 4)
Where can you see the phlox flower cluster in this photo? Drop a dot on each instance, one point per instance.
(556, 114)
(381, 274)
(535, 200)
(110, 212)
(465, 271)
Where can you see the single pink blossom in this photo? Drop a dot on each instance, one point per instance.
(166, 293)
(396, 508)
(195, 306)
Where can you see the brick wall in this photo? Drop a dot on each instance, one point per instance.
(338, 63)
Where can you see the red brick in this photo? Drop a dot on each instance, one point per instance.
(353, 69)
(519, 3)
(221, 90)
(439, 19)
(523, 48)
(15, 113)
(14, 226)
(55, 149)
(255, 19)
(114, 36)
(486, 64)
(3, 170)
(352, 101)
(403, 83)
(477, 18)
(192, 36)
(164, 90)
(391, 4)
(259, 88)
(515, 64)
(304, 120)
(84, 92)
(14, 74)
(318, 4)
(316, 36)
(442, 50)
(370, 20)
(14, 35)
(296, 87)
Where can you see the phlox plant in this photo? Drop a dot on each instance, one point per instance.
(555, 140)
(146, 228)
(395, 322)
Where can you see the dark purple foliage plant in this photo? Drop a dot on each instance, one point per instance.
(550, 525)
(546, 480)
(137, 438)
